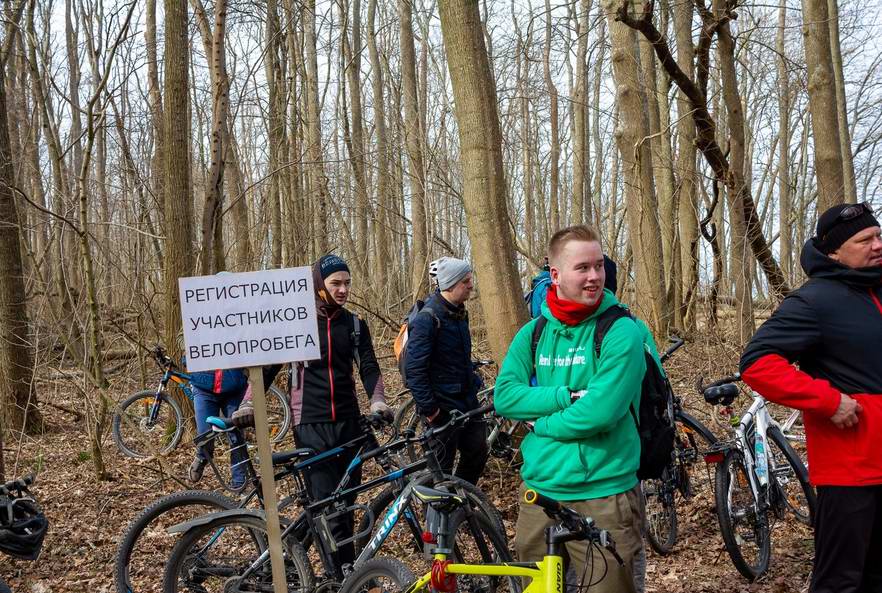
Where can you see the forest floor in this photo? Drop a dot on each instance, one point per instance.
(88, 517)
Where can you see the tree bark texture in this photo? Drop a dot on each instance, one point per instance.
(484, 190)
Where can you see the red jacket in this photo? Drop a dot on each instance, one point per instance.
(832, 328)
(836, 456)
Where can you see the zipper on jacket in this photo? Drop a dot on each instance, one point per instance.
(331, 372)
(875, 300)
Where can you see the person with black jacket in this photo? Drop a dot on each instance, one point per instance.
(324, 406)
(830, 327)
(439, 369)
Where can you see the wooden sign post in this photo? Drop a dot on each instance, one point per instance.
(248, 320)
(267, 480)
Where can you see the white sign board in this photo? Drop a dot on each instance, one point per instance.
(249, 319)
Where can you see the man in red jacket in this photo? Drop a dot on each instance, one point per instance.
(831, 327)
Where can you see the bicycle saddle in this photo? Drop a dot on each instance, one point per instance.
(442, 501)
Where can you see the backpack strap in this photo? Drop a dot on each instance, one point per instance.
(605, 321)
(602, 325)
(538, 328)
(356, 338)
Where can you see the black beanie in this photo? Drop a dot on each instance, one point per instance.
(833, 231)
(331, 263)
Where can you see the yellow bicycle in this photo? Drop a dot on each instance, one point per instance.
(387, 575)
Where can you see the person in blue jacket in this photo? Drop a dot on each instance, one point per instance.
(218, 393)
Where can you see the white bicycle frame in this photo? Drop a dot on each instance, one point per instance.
(758, 419)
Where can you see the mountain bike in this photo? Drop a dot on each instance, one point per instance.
(450, 572)
(692, 439)
(151, 421)
(230, 546)
(135, 570)
(759, 478)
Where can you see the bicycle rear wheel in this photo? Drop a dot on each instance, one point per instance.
(134, 433)
(744, 528)
(791, 482)
(221, 556)
(661, 512)
(278, 411)
(379, 575)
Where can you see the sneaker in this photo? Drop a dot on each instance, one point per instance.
(197, 468)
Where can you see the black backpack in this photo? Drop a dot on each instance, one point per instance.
(655, 426)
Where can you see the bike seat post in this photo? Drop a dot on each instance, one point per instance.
(441, 532)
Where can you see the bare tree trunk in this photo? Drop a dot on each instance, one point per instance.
(740, 253)
(658, 110)
(705, 127)
(554, 166)
(319, 193)
(580, 130)
(686, 153)
(276, 125)
(212, 212)
(823, 104)
(640, 199)
(484, 190)
(384, 220)
(850, 190)
(18, 410)
(784, 193)
(413, 140)
(178, 189)
(356, 148)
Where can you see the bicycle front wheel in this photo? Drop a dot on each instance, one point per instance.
(223, 556)
(141, 549)
(137, 435)
(661, 512)
(744, 528)
(379, 575)
(790, 478)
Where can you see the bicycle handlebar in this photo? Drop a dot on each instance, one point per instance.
(677, 342)
(456, 417)
(582, 527)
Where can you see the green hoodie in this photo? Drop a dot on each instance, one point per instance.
(590, 448)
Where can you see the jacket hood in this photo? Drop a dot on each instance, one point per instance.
(817, 265)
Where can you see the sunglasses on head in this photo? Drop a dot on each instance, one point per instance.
(850, 213)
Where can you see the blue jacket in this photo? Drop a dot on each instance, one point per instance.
(220, 382)
(438, 364)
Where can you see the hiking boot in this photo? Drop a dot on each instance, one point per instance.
(197, 468)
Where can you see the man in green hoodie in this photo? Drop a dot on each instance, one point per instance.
(584, 449)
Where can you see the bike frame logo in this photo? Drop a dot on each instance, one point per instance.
(388, 522)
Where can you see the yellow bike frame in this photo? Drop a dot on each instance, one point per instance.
(546, 576)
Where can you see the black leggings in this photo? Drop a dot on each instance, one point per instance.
(323, 478)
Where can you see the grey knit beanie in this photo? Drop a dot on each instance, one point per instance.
(451, 271)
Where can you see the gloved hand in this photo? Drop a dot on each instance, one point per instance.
(244, 416)
(380, 407)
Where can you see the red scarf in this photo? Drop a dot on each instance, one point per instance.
(568, 312)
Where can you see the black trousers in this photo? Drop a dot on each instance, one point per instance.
(848, 540)
(471, 442)
(323, 477)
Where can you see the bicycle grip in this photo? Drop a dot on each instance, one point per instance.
(550, 505)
